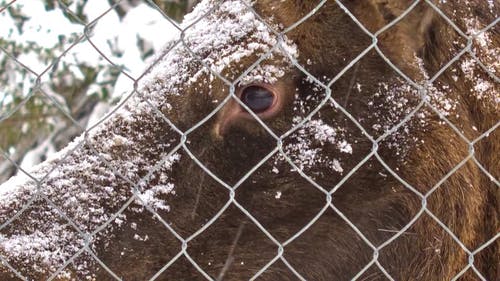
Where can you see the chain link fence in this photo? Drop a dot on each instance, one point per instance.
(87, 237)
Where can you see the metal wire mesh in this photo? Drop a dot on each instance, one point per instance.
(279, 149)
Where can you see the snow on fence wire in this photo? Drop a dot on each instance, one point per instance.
(87, 237)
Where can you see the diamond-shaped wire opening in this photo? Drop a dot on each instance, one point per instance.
(131, 239)
(226, 160)
(280, 199)
(147, 185)
(30, 185)
(28, 241)
(134, 102)
(175, 88)
(327, 59)
(59, 116)
(197, 200)
(413, 145)
(221, 54)
(184, 60)
(232, 247)
(452, 203)
(477, 88)
(86, 189)
(314, 254)
(428, 250)
(377, 220)
(305, 100)
(378, 103)
(328, 146)
(409, 33)
(194, 200)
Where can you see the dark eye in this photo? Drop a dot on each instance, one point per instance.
(257, 98)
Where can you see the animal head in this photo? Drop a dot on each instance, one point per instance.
(274, 139)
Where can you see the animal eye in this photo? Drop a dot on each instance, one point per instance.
(257, 98)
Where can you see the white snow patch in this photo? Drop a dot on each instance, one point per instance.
(307, 144)
(488, 54)
(278, 195)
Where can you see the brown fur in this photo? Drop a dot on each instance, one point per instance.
(234, 248)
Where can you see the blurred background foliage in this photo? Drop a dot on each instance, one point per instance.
(53, 83)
